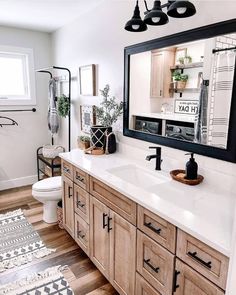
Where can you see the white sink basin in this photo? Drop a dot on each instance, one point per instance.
(138, 176)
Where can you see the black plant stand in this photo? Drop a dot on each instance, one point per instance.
(47, 167)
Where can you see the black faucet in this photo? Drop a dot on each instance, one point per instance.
(157, 156)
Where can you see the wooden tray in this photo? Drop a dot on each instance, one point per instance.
(179, 175)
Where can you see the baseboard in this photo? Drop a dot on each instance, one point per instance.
(18, 182)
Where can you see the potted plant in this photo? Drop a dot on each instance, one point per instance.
(84, 142)
(107, 114)
(63, 106)
(180, 79)
(187, 59)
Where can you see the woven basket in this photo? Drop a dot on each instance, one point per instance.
(60, 215)
(52, 151)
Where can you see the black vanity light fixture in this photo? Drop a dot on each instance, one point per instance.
(156, 17)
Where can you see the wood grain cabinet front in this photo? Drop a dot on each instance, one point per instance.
(155, 264)
(143, 287)
(157, 228)
(207, 261)
(112, 246)
(67, 169)
(189, 282)
(82, 233)
(68, 205)
(81, 178)
(81, 199)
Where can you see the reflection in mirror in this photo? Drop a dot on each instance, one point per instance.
(184, 91)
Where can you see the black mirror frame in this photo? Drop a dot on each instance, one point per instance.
(205, 32)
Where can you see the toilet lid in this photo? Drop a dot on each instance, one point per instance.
(48, 184)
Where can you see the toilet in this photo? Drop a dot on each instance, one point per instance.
(49, 192)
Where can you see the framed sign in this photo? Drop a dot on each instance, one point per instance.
(87, 117)
(188, 107)
(87, 78)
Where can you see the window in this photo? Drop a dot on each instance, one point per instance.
(17, 84)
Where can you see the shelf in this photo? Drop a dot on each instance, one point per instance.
(191, 90)
(52, 163)
(188, 66)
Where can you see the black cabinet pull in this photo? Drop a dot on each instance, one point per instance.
(79, 234)
(108, 227)
(78, 177)
(151, 227)
(147, 261)
(175, 285)
(104, 224)
(69, 192)
(79, 204)
(198, 259)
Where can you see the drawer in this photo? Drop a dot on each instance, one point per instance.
(81, 178)
(143, 288)
(67, 169)
(207, 261)
(114, 200)
(157, 228)
(81, 199)
(82, 233)
(189, 282)
(155, 264)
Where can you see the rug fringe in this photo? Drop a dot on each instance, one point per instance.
(24, 259)
(34, 278)
(11, 213)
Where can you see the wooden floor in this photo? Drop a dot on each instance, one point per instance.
(82, 275)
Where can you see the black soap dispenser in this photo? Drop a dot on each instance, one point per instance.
(191, 168)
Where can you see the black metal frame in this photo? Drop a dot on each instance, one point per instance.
(48, 71)
(209, 31)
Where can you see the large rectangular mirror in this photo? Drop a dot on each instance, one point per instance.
(180, 91)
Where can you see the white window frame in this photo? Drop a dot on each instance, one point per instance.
(29, 75)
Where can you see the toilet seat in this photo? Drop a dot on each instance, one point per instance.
(50, 184)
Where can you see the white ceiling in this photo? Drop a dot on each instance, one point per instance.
(42, 15)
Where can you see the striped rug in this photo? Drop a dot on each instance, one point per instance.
(19, 242)
(50, 282)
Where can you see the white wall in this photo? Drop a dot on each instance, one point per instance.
(98, 37)
(18, 144)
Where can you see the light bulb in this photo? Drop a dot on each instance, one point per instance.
(135, 27)
(156, 19)
(181, 10)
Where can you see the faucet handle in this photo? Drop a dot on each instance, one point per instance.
(158, 149)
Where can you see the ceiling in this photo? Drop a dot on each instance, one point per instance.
(43, 15)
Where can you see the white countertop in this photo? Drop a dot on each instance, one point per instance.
(203, 211)
(168, 116)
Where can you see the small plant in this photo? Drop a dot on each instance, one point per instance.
(181, 60)
(63, 106)
(188, 59)
(177, 76)
(84, 138)
(109, 111)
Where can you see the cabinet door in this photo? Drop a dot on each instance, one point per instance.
(189, 282)
(157, 74)
(68, 205)
(122, 254)
(99, 236)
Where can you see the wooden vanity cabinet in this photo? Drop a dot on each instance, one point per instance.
(68, 205)
(189, 282)
(113, 246)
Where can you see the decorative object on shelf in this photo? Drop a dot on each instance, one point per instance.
(109, 111)
(88, 83)
(180, 78)
(110, 141)
(188, 107)
(188, 59)
(52, 151)
(87, 117)
(83, 142)
(156, 17)
(63, 106)
(179, 175)
(180, 53)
